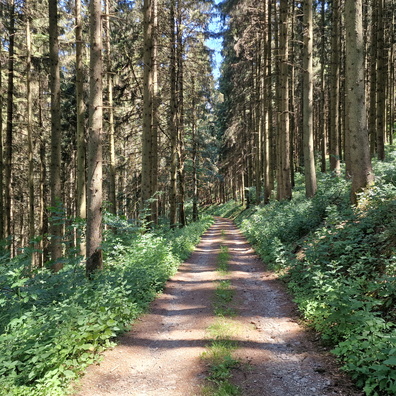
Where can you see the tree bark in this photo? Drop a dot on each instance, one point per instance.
(322, 107)
(155, 119)
(56, 137)
(381, 82)
(362, 173)
(29, 126)
(109, 78)
(309, 158)
(9, 127)
(372, 124)
(81, 146)
(1, 162)
(180, 116)
(334, 147)
(95, 197)
(147, 107)
(194, 153)
(173, 124)
(284, 173)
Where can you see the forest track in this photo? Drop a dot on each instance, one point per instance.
(161, 355)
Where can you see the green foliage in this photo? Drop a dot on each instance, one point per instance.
(230, 209)
(220, 362)
(340, 264)
(223, 297)
(222, 260)
(54, 325)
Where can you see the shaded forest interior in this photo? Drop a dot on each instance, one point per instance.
(126, 108)
(112, 123)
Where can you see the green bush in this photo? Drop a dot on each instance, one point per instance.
(340, 264)
(54, 325)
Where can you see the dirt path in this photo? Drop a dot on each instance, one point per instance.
(161, 355)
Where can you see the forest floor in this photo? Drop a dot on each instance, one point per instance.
(162, 354)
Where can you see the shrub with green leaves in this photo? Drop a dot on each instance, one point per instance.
(54, 325)
(340, 264)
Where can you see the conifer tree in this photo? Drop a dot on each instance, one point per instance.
(94, 184)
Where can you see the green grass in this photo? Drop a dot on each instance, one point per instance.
(219, 360)
(222, 260)
(218, 355)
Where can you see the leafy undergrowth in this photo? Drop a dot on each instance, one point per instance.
(340, 264)
(53, 326)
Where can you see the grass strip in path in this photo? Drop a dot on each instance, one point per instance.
(219, 352)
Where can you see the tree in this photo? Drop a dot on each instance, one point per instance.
(55, 169)
(29, 112)
(95, 194)
(110, 103)
(147, 104)
(356, 127)
(172, 121)
(9, 128)
(334, 147)
(283, 169)
(309, 158)
(381, 82)
(1, 160)
(81, 203)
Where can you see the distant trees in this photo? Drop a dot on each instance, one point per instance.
(51, 169)
(284, 104)
(293, 54)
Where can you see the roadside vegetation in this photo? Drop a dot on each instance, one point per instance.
(340, 264)
(54, 325)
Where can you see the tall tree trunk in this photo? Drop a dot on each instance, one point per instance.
(334, 147)
(284, 172)
(309, 158)
(95, 195)
(9, 127)
(322, 107)
(257, 123)
(180, 116)
(391, 81)
(155, 120)
(29, 125)
(265, 80)
(173, 124)
(295, 141)
(194, 152)
(373, 79)
(109, 78)
(1, 161)
(270, 157)
(381, 82)
(55, 170)
(44, 246)
(147, 106)
(362, 173)
(81, 146)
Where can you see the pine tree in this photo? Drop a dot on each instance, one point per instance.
(362, 173)
(95, 195)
